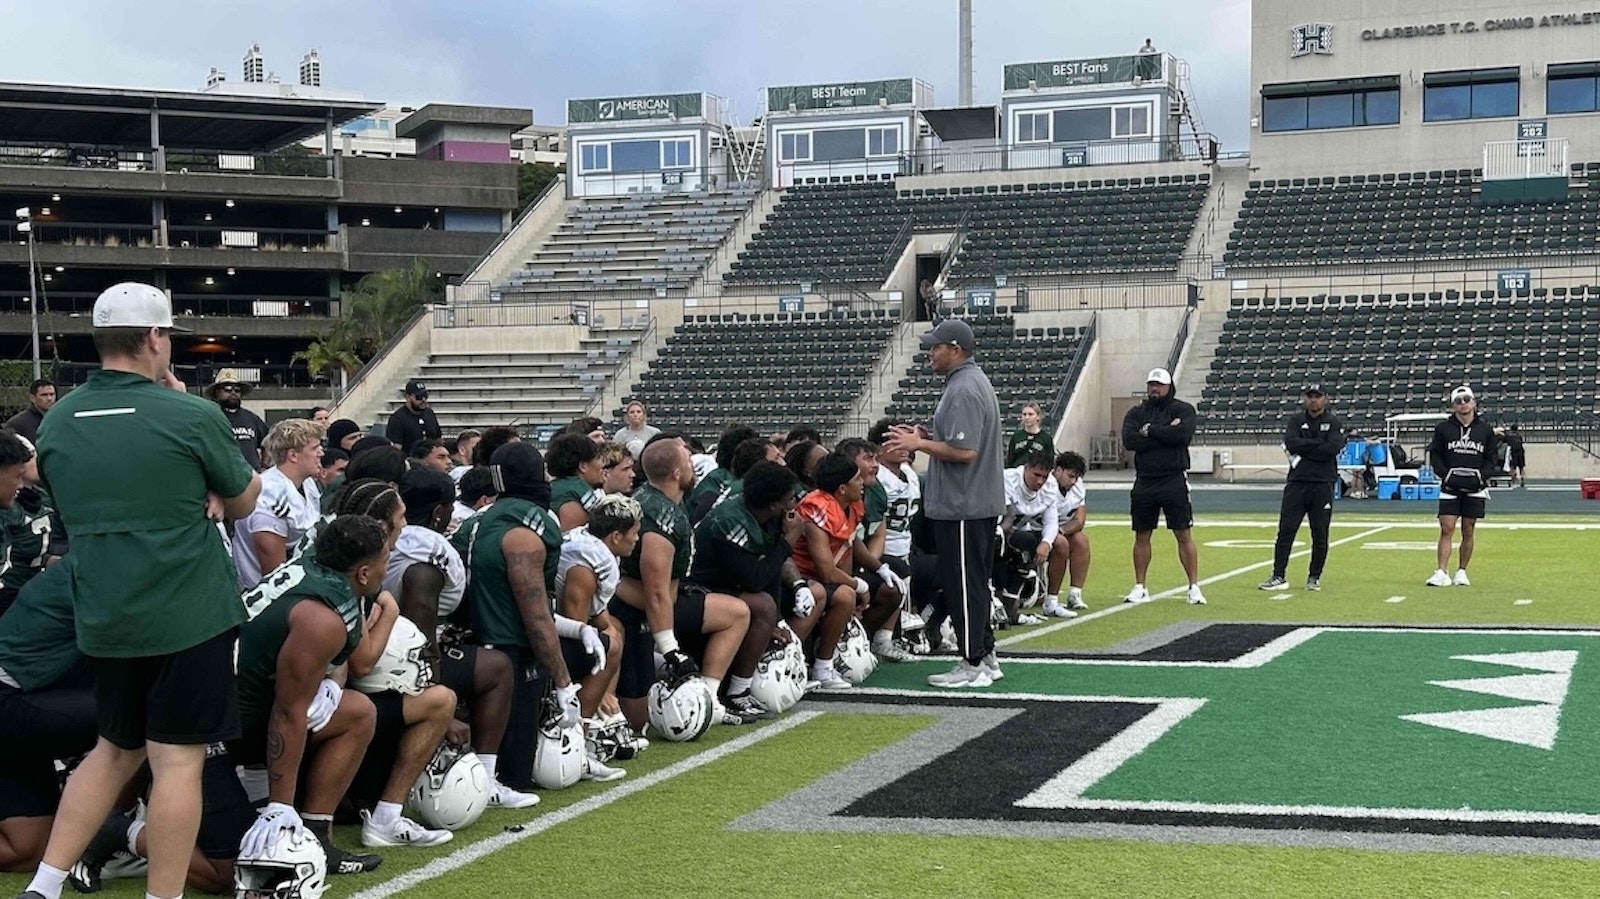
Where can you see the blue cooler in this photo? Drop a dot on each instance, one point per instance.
(1389, 487)
(1378, 454)
(1409, 491)
(1428, 491)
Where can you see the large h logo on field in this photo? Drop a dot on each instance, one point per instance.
(1398, 732)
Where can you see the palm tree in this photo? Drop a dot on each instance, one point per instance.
(384, 302)
(332, 353)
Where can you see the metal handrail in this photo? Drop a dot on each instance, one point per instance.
(1069, 380)
(1174, 354)
(897, 246)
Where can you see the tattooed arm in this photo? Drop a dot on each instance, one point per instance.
(316, 634)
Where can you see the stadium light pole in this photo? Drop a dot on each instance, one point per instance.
(25, 225)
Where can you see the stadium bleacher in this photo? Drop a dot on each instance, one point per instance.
(1533, 360)
(1406, 216)
(769, 370)
(1025, 365)
(638, 242)
(848, 232)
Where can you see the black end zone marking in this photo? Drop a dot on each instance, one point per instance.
(1213, 643)
(983, 777)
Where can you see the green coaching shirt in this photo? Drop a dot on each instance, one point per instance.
(129, 463)
(495, 618)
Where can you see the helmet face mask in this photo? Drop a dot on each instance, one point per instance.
(402, 667)
(681, 712)
(452, 791)
(296, 868)
(559, 755)
(854, 658)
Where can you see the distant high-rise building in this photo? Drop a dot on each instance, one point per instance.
(215, 78)
(311, 70)
(255, 67)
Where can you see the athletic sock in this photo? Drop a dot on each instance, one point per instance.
(737, 684)
(154, 896)
(385, 814)
(821, 669)
(321, 825)
(47, 881)
(134, 829)
(489, 760)
(713, 684)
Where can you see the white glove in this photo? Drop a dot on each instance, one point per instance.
(567, 702)
(594, 646)
(323, 705)
(804, 601)
(275, 821)
(861, 587)
(896, 583)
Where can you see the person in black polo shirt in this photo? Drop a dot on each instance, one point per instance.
(414, 421)
(1313, 438)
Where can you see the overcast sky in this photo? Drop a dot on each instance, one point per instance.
(539, 53)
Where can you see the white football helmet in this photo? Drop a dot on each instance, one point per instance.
(452, 791)
(401, 667)
(681, 712)
(854, 658)
(780, 679)
(295, 867)
(559, 756)
(607, 737)
(1031, 591)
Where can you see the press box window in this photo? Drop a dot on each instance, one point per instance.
(1033, 127)
(675, 154)
(1130, 121)
(1315, 105)
(1572, 87)
(794, 147)
(883, 141)
(595, 157)
(1477, 94)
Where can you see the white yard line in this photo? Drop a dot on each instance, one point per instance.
(466, 855)
(1176, 591)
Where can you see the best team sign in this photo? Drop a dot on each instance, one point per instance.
(896, 92)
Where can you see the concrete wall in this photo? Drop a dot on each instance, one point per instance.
(904, 276)
(1034, 176)
(1088, 412)
(524, 339)
(1467, 42)
(450, 252)
(371, 395)
(420, 182)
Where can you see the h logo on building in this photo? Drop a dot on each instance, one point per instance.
(1305, 40)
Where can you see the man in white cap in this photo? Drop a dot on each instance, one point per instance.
(1462, 453)
(1158, 432)
(963, 496)
(155, 597)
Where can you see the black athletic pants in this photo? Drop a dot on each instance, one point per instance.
(966, 565)
(1303, 500)
(528, 686)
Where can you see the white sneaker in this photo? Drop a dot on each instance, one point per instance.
(1137, 594)
(1196, 598)
(1028, 620)
(890, 652)
(401, 832)
(1054, 609)
(502, 796)
(600, 772)
(963, 675)
(991, 665)
(1461, 578)
(831, 680)
(1439, 579)
(1075, 600)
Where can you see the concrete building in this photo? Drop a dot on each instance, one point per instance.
(210, 196)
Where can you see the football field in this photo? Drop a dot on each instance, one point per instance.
(1377, 738)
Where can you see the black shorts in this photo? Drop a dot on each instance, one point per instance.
(226, 812)
(1473, 507)
(638, 670)
(29, 788)
(578, 661)
(1149, 500)
(458, 669)
(376, 765)
(185, 698)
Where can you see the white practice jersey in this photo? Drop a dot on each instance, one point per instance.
(1031, 510)
(425, 545)
(283, 508)
(1070, 501)
(905, 501)
(579, 547)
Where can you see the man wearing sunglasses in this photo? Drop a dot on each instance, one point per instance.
(1312, 438)
(1462, 452)
(227, 391)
